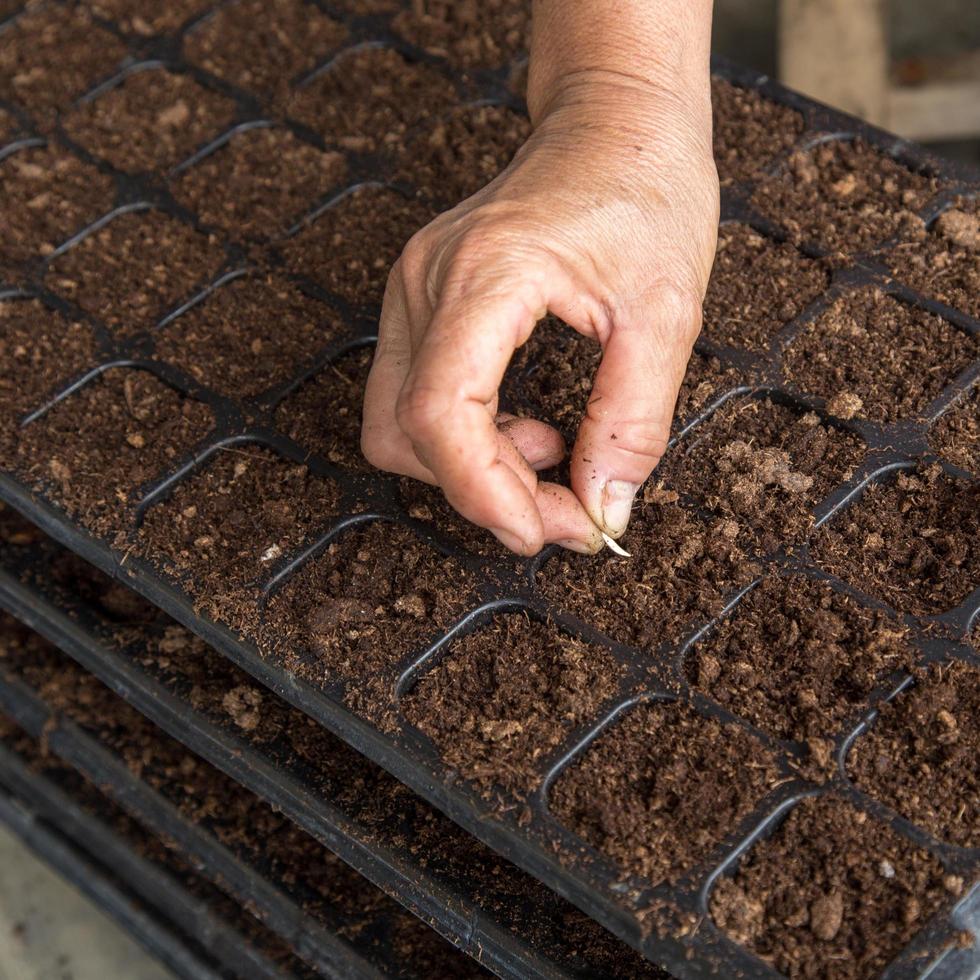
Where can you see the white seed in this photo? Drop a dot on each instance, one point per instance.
(886, 869)
(614, 546)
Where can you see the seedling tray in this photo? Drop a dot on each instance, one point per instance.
(668, 923)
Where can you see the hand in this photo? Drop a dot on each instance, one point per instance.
(607, 218)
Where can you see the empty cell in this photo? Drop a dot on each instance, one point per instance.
(832, 893)
(872, 356)
(52, 54)
(151, 121)
(376, 595)
(956, 436)
(48, 195)
(757, 286)
(248, 335)
(350, 248)
(135, 269)
(763, 464)
(259, 183)
(94, 450)
(912, 539)
(750, 131)
(845, 196)
(148, 17)
(261, 48)
(324, 413)
(368, 99)
(799, 659)
(661, 788)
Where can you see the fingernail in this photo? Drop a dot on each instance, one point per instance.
(510, 540)
(580, 547)
(617, 503)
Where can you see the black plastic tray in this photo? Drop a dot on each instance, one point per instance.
(594, 885)
(464, 900)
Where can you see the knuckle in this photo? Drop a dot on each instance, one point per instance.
(377, 448)
(422, 411)
(644, 440)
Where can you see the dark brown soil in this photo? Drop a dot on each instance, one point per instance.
(40, 351)
(454, 157)
(757, 286)
(833, 893)
(943, 262)
(227, 525)
(261, 48)
(17, 531)
(324, 414)
(350, 248)
(369, 98)
(913, 541)
(469, 33)
(249, 335)
(660, 790)
(150, 122)
(145, 17)
(764, 464)
(9, 126)
(127, 611)
(374, 596)
(956, 436)
(920, 756)
(132, 271)
(873, 356)
(504, 697)
(51, 55)
(798, 659)
(681, 571)
(93, 450)
(749, 131)
(259, 184)
(48, 195)
(846, 197)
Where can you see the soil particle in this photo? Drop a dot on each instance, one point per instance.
(956, 436)
(749, 131)
(146, 18)
(324, 413)
(369, 98)
(506, 696)
(891, 356)
(52, 54)
(943, 262)
(48, 195)
(813, 899)
(659, 790)
(136, 268)
(912, 540)
(469, 33)
(94, 449)
(920, 756)
(846, 197)
(249, 335)
(757, 286)
(150, 122)
(258, 184)
(375, 595)
(682, 570)
(350, 248)
(262, 48)
(797, 658)
(764, 464)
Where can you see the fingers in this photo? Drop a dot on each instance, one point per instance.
(627, 424)
(540, 444)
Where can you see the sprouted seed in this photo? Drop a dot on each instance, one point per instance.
(614, 546)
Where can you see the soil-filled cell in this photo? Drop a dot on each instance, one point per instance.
(148, 17)
(912, 540)
(374, 596)
(504, 697)
(749, 131)
(661, 788)
(832, 893)
(134, 269)
(258, 184)
(956, 436)
(324, 413)
(48, 195)
(873, 356)
(757, 286)
(248, 335)
(920, 755)
(845, 197)
(9, 126)
(149, 122)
